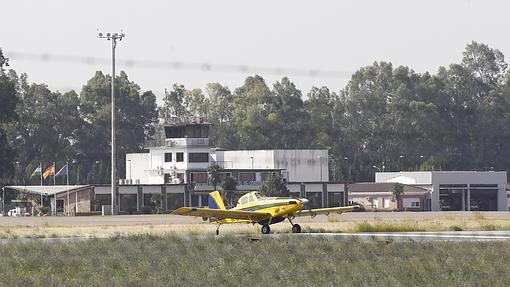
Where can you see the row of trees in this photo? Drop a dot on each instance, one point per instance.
(386, 118)
(40, 126)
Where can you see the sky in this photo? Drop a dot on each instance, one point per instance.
(339, 36)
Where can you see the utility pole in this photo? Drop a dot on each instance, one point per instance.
(113, 37)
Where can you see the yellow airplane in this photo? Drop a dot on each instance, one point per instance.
(253, 208)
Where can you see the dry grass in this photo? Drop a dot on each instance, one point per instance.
(331, 224)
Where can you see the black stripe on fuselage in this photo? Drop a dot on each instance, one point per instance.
(259, 207)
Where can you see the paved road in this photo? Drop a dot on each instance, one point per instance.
(413, 236)
(395, 236)
(175, 219)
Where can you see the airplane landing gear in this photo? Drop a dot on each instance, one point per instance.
(296, 228)
(218, 230)
(266, 229)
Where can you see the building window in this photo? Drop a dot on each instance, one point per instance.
(386, 203)
(168, 157)
(198, 157)
(199, 177)
(180, 157)
(246, 176)
(411, 202)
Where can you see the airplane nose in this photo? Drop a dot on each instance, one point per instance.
(303, 200)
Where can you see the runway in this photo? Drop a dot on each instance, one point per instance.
(411, 236)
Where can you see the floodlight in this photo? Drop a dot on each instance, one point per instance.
(100, 34)
(108, 35)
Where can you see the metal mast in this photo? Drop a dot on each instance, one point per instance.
(113, 37)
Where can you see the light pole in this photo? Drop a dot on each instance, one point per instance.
(77, 171)
(113, 37)
(129, 169)
(376, 167)
(401, 157)
(251, 162)
(3, 200)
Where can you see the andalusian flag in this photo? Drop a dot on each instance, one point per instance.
(37, 171)
(50, 170)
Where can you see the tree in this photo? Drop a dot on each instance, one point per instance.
(136, 117)
(290, 117)
(8, 100)
(228, 187)
(7, 92)
(156, 202)
(252, 115)
(214, 175)
(274, 187)
(175, 109)
(397, 190)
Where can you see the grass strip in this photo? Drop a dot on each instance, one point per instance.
(234, 261)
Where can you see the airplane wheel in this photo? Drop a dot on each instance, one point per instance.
(266, 229)
(296, 228)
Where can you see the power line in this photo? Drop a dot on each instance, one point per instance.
(177, 65)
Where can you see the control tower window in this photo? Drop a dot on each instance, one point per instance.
(168, 157)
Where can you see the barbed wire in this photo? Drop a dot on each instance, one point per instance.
(177, 65)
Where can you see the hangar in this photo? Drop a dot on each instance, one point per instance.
(456, 190)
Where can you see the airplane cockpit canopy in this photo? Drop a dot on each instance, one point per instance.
(249, 197)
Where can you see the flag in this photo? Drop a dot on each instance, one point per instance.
(50, 170)
(63, 171)
(37, 171)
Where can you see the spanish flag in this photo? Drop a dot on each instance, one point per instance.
(50, 170)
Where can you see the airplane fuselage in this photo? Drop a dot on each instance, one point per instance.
(279, 208)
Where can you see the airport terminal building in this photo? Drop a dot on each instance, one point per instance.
(456, 190)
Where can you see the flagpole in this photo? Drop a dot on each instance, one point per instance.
(67, 173)
(40, 166)
(67, 176)
(54, 192)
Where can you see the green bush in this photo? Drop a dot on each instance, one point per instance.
(386, 227)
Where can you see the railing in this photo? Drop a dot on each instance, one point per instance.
(242, 185)
(187, 142)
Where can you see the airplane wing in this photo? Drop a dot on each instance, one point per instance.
(222, 214)
(314, 212)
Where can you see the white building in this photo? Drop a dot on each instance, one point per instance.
(186, 155)
(456, 190)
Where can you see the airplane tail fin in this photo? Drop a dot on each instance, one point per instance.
(215, 201)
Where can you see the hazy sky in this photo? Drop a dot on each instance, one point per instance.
(308, 35)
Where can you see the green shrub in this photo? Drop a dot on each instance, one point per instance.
(387, 227)
(455, 228)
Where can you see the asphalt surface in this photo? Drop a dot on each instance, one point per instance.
(412, 236)
(380, 236)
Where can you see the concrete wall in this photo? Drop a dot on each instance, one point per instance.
(242, 159)
(80, 201)
(301, 165)
(136, 166)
